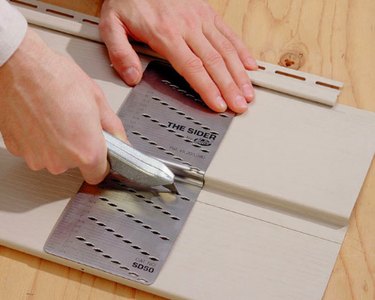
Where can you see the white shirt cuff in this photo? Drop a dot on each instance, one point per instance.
(12, 30)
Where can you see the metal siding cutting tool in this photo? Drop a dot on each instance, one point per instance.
(137, 167)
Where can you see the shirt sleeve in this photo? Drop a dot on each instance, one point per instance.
(12, 30)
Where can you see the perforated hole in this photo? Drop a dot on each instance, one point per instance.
(80, 238)
(133, 274)
(115, 262)
(121, 210)
(90, 21)
(127, 241)
(100, 224)
(136, 133)
(59, 13)
(153, 258)
(223, 115)
(185, 198)
(124, 268)
(103, 199)
(109, 229)
(98, 250)
(147, 226)
(112, 204)
(290, 75)
(164, 238)
(156, 98)
(92, 218)
(107, 256)
(146, 115)
(138, 221)
(175, 218)
(24, 3)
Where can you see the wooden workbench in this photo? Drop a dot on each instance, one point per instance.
(332, 38)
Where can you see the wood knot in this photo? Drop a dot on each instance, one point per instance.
(292, 60)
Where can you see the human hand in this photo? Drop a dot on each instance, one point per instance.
(52, 114)
(191, 36)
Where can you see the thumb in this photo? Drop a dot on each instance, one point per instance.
(121, 53)
(109, 120)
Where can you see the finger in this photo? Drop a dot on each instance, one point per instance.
(92, 159)
(122, 55)
(218, 71)
(248, 61)
(232, 60)
(191, 68)
(33, 161)
(55, 163)
(11, 146)
(109, 120)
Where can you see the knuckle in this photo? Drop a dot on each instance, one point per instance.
(56, 169)
(33, 165)
(119, 56)
(213, 59)
(193, 65)
(91, 157)
(228, 48)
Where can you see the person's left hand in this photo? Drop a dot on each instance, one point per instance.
(191, 36)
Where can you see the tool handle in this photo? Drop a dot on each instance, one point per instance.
(135, 165)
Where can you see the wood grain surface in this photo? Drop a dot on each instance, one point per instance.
(332, 38)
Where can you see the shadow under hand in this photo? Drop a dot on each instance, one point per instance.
(22, 189)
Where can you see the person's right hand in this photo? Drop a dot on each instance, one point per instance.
(52, 114)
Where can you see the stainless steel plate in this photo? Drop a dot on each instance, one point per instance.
(130, 232)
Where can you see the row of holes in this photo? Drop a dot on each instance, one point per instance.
(185, 93)
(161, 148)
(120, 236)
(85, 20)
(146, 200)
(53, 11)
(283, 73)
(181, 113)
(176, 134)
(131, 190)
(138, 221)
(107, 256)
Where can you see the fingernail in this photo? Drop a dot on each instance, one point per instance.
(221, 104)
(131, 75)
(251, 63)
(240, 103)
(248, 92)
